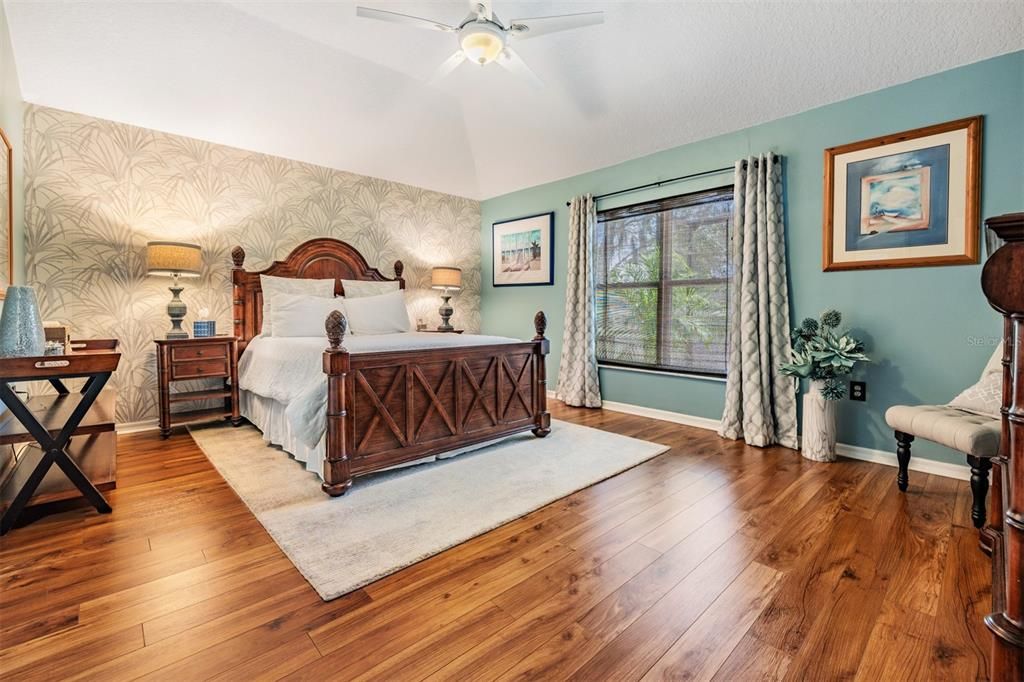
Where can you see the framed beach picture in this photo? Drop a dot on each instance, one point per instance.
(904, 200)
(523, 251)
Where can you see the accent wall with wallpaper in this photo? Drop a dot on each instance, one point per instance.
(929, 330)
(97, 191)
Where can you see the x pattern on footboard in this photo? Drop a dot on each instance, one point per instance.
(397, 406)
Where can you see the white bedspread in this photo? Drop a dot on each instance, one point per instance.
(290, 370)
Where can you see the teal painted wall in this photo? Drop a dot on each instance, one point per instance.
(929, 330)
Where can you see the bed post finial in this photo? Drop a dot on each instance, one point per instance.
(238, 257)
(540, 323)
(336, 327)
(399, 269)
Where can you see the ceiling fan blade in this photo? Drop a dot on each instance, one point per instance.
(481, 8)
(447, 66)
(514, 63)
(408, 20)
(539, 26)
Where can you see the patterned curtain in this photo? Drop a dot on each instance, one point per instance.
(578, 383)
(760, 403)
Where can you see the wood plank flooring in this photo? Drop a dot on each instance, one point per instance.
(714, 561)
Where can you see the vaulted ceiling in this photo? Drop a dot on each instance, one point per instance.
(311, 81)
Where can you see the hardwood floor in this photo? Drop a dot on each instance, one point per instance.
(714, 561)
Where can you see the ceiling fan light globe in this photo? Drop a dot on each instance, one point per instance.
(482, 42)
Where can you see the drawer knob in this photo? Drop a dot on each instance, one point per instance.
(199, 370)
(199, 352)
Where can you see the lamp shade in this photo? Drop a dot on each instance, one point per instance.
(173, 258)
(446, 278)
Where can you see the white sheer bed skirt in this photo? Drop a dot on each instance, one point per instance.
(267, 415)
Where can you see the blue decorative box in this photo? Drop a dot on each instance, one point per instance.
(202, 329)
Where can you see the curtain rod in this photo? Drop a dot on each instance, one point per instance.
(659, 183)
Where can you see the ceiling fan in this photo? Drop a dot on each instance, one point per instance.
(483, 38)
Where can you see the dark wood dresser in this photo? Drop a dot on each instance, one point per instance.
(1003, 283)
(215, 357)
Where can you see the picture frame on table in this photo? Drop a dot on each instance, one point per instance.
(522, 251)
(908, 199)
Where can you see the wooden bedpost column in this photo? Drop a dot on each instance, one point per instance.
(541, 349)
(1002, 280)
(337, 475)
(399, 269)
(238, 307)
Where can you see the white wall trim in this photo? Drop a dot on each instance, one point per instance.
(961, 472)
(926, 466)
(138, 427)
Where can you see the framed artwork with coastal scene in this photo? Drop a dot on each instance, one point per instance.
(523, 251)
(904, 200)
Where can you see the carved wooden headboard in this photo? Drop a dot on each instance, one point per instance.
(323, 258)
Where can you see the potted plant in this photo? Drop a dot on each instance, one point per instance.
(825, 356)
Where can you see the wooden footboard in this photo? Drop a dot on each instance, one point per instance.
(389, 408)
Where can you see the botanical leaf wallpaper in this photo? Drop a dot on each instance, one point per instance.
(97, 191)
(5, 217)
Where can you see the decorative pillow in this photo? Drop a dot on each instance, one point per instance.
(384, 314)
(272, 286)
(984, 398)
(300, 315)
(995, 363)
(356, 288)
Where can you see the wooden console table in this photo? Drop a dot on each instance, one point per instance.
(51, 421)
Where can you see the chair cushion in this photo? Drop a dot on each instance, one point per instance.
(971, 434)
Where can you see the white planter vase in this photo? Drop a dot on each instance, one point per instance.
(819, 429)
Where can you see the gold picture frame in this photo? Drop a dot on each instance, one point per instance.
(909, 199)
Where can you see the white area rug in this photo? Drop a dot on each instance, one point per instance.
(393, 519)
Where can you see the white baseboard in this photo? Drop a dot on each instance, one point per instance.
(926, 466)
(138, 427)
(960, 472)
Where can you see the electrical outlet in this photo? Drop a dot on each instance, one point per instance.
(858, 390)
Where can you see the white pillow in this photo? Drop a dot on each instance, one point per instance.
(384, 314)
(984, 398)
(272, 286)
(300, 315)
(995, 363)
(356, 288)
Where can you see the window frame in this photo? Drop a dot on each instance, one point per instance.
(665, 286)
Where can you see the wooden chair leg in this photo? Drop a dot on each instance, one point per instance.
(903, 441)
(980, 466)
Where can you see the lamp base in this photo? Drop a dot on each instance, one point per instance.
(446, 311)
(176, 310)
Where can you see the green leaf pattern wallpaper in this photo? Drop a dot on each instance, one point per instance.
(97, 191)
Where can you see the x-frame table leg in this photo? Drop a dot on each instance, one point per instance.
(54, 449)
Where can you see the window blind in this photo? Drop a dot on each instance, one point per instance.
(662, 276)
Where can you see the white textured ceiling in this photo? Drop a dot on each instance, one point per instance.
(310, 81)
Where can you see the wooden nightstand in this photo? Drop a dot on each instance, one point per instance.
(214, 357)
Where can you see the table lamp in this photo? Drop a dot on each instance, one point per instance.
(174, 259)
(448, 280)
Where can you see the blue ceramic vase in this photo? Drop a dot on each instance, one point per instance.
(21, 328)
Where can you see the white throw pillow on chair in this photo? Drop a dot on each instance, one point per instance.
(984, 398)
(301, 315)
(384, 314)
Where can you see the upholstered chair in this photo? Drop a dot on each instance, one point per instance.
(970, 424)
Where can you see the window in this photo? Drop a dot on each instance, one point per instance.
(662, 283)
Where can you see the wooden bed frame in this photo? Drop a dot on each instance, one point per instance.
(388, 408)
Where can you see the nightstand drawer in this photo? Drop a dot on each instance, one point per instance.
(199, 352)
(196, 369)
